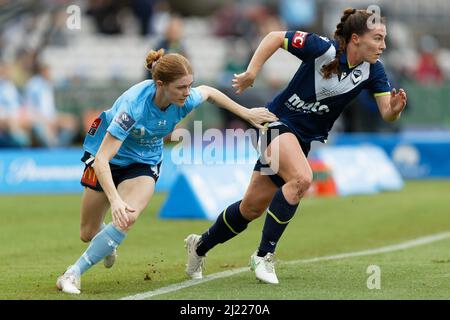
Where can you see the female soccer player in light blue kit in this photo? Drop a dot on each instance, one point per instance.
(123, 153)
(332, 73)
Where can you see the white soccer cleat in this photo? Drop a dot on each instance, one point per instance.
(108, 261)
(195, 263)
(69, 282)
(264, 267)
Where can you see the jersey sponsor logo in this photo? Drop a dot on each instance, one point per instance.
(162, 122)
(125, 121)
(153, 143)
(138, 132)
(294, 103)
(356, 76)
(343, 75)
(94, 126)
(89, 178)
(299, 39)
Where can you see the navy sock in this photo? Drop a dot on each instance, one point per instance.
(229, 224)
(278, 216)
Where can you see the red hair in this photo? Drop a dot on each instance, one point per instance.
(169, 67)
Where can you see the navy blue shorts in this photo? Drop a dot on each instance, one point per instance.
(119, 173)
(266, 139)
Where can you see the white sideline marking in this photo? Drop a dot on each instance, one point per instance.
(228, 273)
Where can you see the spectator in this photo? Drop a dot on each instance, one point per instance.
(143, 10)
(50, 128)
(106, 15)
(21, 67)
(172, 39)
(14, 128)
(428, 69)
(160, 17)
(227, 20)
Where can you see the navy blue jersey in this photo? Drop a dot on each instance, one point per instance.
(310, 104)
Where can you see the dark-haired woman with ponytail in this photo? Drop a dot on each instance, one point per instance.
(332, 73)
(123, 153)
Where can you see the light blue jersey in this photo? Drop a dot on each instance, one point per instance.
(139, 123)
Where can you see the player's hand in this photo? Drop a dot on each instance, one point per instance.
(120, 211)
(242, 81)
(398, 100)
(257, 116)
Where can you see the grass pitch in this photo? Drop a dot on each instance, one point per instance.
(40, 237)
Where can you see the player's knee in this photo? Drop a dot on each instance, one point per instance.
(132, 217)
(87, 235)
(304, 182)
(251, 211)
(299, 184)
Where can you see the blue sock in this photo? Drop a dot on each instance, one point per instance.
(278, 216)
(101, 245)
(229, 224)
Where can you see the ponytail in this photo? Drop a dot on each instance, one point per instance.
(333, 66)
(169, 67)
(152, 57)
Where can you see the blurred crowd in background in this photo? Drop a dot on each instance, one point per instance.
(55, 79)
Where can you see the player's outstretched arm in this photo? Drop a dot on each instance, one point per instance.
(255, 116)
(265, 50)
(391, 106)
(119, 209)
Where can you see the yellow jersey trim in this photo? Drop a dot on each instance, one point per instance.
(380, 94)
(350, 66)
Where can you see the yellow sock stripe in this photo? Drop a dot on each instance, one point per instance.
(276, 219)
(225, 220)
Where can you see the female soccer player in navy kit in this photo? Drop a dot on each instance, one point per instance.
(332, 73)
(123, 153)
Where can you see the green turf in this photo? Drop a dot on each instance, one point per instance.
(40, 237)
(416, 273)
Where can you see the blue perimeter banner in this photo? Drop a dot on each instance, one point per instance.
(203, 191)
(417, 155)
(56, 170)
(41, 170)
